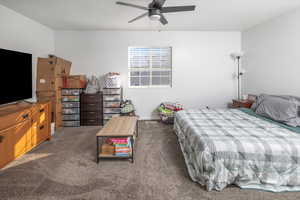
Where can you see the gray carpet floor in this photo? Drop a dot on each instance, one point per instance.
(65, 168)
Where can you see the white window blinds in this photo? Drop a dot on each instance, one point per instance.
(150, 66)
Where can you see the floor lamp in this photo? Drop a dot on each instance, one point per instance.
(238, 56)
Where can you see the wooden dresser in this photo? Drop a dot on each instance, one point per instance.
(23, 126)
(91, 111)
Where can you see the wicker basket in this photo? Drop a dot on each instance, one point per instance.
(167, 118)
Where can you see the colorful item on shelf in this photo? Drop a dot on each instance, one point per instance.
(122, 146)
(172, 106)
(167, 110)
(117, 141)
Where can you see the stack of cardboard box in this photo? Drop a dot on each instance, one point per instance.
(75, 82)
(51, 73)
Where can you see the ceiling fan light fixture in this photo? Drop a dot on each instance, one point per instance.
(156, 10)
(155, 17)
(154, 14)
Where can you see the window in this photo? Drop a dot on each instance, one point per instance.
(150, 66)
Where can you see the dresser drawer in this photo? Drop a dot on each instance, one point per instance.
(91, 106)
(14, 118)
(41, 134)
(91, 98)
(91, 115)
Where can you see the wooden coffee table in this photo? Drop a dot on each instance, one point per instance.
(118, 127)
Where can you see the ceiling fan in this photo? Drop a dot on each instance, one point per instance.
(155, 10)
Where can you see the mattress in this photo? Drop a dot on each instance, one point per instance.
(227, 146)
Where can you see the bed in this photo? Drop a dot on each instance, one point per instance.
(223, 147)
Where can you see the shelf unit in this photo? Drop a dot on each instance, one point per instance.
(112, 98)
(129, 129)
(71, 107)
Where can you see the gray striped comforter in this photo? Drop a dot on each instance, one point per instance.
(227, 146)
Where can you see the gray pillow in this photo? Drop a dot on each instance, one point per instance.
(279, 109)
(258, 101)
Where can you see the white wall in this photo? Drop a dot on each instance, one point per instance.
(272, 57)
(202, 67)
(20, 33)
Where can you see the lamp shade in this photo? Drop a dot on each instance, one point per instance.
(237, 55)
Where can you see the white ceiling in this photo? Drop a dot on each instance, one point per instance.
(105, 14)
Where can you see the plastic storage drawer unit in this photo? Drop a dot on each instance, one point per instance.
(111, 110)
(70, 98)
(111, 98)
(71, 117)
(111, 104)
(70, 111)
(70, 104)
(112, 91)
(71, 92)
(71, 107)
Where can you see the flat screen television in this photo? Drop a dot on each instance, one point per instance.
(15, 76)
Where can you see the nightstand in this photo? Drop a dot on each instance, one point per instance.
(241, 103)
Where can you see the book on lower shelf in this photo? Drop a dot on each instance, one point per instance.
(116, 147)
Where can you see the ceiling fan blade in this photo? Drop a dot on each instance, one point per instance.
(131, 5)
(139, 17)
(160, 3)
(163, 20)
(177, 9)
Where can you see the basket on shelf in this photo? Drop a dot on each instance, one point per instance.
(112, 80)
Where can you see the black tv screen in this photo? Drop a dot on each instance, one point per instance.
(16, 76)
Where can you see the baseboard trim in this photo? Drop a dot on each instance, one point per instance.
(149, 120)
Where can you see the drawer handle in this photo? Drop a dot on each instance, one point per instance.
(25, 116)
(92, 104)
(1, 138)
(42, 127)
(42, 110)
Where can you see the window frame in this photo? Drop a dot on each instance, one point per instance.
(150, 86)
